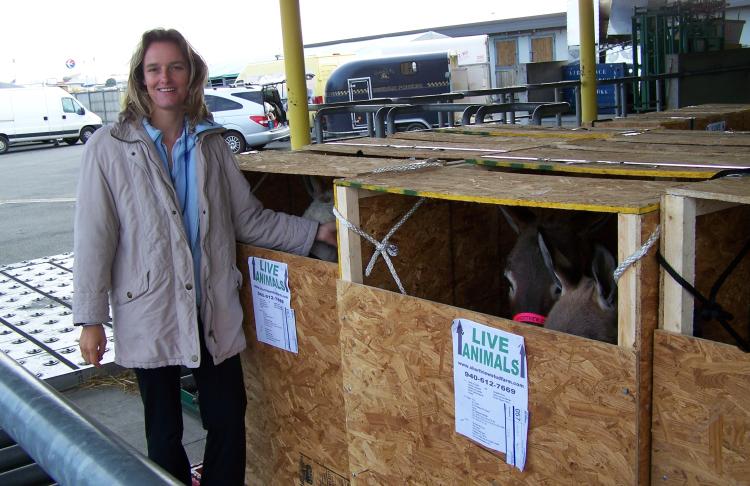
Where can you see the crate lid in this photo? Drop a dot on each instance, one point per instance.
(401, 148)
(307, 163)
(592, 157)
(728, 189)
(474, 184)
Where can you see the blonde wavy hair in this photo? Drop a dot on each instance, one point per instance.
(137, 103)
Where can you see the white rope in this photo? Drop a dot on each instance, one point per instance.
(383, 247)
(411, 166)
(640, 253)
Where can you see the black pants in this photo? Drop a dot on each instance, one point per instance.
(221, 392)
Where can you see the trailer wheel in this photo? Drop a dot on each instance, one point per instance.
(86, 133)
(3, 144)
(71, 141)
(236, 141)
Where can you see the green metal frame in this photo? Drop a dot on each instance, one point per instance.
(681, 27)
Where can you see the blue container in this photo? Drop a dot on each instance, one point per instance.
(605, 95)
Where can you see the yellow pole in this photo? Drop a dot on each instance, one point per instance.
(294, 65)
(588, 61)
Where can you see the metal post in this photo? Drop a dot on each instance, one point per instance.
(294, 64)
(658, 94)
(503, 119)
(617, 99)
(67, 445)
(441, 119)
(624, 99)
(370, 124)
(588, 60)
(558, 117)
(578, 105)
(318, 127)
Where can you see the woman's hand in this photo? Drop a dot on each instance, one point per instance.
(327, 233)
(93, 343)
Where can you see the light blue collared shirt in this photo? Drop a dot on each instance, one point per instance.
(185, 183)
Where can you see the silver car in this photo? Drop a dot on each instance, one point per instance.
(253, 116)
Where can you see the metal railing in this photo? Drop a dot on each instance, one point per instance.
(381, 108)
(66, 444)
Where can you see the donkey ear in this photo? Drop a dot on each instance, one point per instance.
(549, 262)
(313, 186)
(518, 217)
(603, 267)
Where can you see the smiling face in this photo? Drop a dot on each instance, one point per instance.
(165, 73)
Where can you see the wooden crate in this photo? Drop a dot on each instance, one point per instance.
(590, 402)
(295, 418)
(702, 386)
(701, 117)
(658, 154)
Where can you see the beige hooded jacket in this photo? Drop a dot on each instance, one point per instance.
(131, 250)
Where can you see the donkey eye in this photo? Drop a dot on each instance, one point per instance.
(556, 290)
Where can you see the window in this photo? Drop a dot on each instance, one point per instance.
(254, 96)
(68, 105)
(409, 67)
(216, 103)
(541, 49)
(507, 52)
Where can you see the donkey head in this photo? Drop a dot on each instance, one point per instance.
(587, 308)
(533, 286)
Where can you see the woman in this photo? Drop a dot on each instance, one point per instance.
(160, 205)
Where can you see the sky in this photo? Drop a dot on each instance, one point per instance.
(39, 37)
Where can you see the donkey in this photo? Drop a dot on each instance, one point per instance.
(587, 308)
(533, 286)
(320, 210)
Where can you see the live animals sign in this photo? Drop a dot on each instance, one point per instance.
(491, 388)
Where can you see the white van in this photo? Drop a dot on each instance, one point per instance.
(43, 114)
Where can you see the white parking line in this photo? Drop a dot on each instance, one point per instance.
(32, 201)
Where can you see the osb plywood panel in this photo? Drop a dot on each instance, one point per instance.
(677, 137)
(310, 163)
(719, 237)
(448, 252)
(379, 147)
(476, 233)
(636, 163)
(728, 189)
(533, 131)
(455, 183)
(295, 401)
(701, 412)
(397, 359)
(636, 121)
(729, 153)
(424, 259)
(510, 142)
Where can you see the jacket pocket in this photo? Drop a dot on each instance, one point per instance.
(131, 290)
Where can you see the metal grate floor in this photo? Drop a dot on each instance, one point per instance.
(36, 321)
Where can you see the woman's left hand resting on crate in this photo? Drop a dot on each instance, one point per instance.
(327, 233)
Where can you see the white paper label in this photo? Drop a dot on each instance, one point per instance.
(275, 322)
(491, 388)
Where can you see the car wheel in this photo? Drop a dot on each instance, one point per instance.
(413, 127)
(71, 141)
(235, 141)
(86, 133)
(3, 144)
